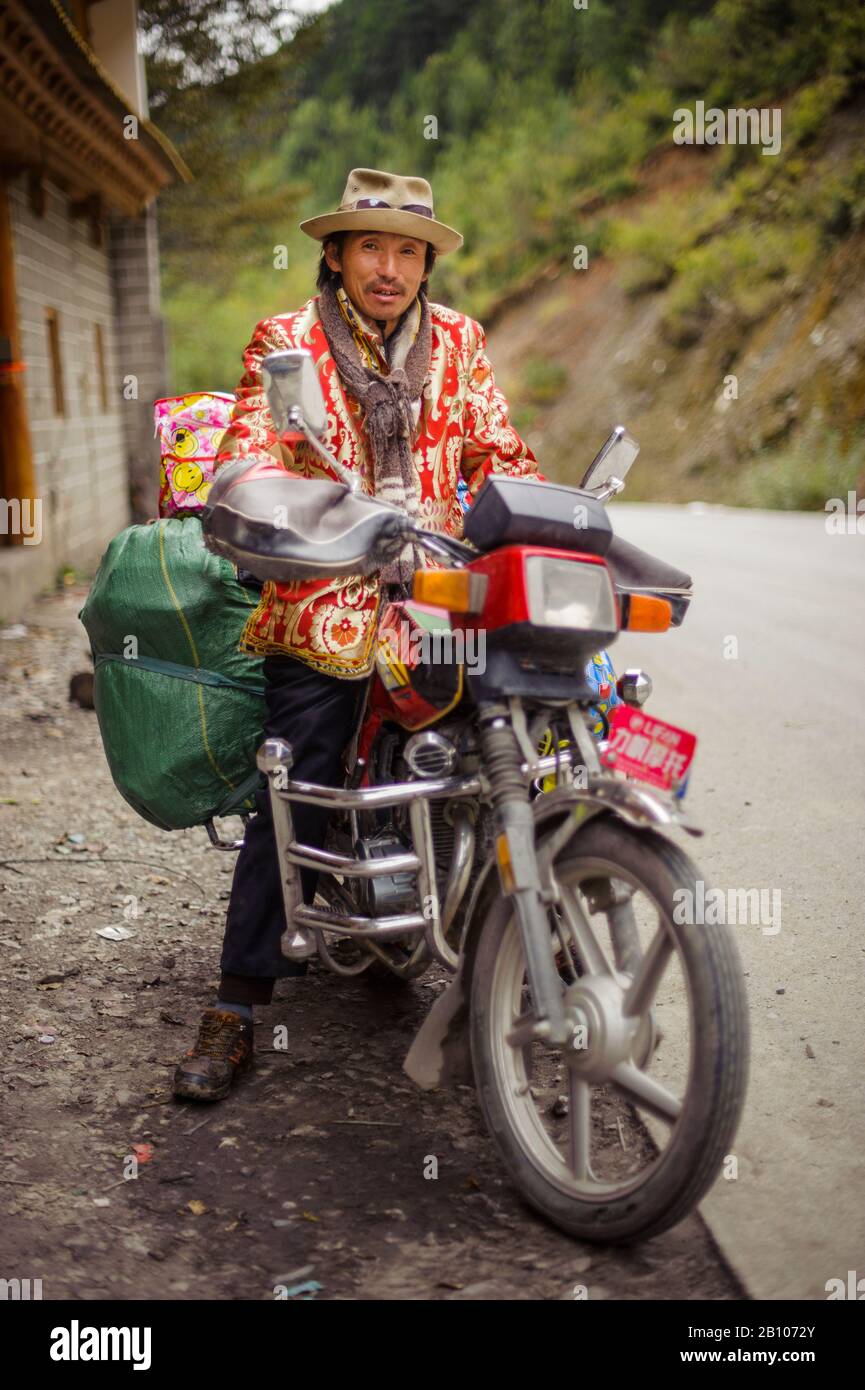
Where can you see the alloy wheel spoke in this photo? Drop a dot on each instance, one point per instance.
(579, 1126)
(592, 955)
(644, 986)
(568, 966)
(641, 1090)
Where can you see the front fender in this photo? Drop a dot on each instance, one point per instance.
(637, 805)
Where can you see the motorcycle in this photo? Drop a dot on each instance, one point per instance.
(507, 817)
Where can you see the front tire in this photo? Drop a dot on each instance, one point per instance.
(605, 1174)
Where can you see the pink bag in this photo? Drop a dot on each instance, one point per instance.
(190, 430)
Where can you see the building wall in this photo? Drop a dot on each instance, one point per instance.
(96, 469)
(79, 459)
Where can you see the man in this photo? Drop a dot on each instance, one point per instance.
(412, 406)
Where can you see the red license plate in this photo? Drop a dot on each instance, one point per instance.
(647, 748)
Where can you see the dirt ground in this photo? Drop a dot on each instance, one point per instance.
(311, 1174)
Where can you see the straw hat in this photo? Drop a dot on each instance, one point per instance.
(375, 201)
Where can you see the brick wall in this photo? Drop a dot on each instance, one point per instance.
(79, 458)
(97, 468)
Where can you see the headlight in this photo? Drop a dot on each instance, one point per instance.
(570, 593)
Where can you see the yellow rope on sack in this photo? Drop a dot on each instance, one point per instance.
(195, 661)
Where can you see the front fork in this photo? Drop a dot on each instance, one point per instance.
(502, 732)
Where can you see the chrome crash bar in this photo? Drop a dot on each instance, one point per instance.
(599, 789)
(275, 759)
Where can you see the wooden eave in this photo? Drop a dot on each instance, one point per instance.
(61, 114)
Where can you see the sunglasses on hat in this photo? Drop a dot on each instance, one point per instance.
(420, 208)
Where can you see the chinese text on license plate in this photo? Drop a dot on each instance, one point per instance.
(648, 748)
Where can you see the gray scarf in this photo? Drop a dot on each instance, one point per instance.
(386, 402)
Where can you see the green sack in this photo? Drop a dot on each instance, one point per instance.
(180, 708)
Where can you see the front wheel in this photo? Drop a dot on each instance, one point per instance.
(621, 1133)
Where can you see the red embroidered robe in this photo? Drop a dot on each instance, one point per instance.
(462, 430)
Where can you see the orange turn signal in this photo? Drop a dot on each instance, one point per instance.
(451, 589)
(648, 614)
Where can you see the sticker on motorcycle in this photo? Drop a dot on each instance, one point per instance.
(647, 748)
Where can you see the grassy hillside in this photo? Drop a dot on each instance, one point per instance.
(553, 130)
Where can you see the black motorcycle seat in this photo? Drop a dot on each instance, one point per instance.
(282, 527)
(635, 569)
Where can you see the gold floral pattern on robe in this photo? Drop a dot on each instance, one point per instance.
(462, 431)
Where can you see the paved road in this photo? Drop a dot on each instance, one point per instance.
(779, 785)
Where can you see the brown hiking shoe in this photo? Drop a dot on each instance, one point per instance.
(222, 1051)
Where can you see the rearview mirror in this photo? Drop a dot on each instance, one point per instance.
(612, 460)
(294, 393)
(297, 406)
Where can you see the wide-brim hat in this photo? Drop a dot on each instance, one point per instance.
(375, 201)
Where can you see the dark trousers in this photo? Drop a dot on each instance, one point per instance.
(317, 715)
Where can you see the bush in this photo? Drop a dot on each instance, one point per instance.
(649, 247)
(542, 381)
(811, 108)
(745, 271)
(803, 476)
